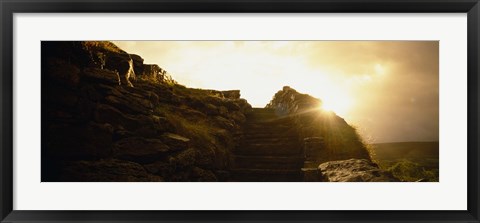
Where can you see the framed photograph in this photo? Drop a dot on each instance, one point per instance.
(161, 111)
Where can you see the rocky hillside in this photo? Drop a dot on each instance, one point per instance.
(328, 135)
(107, 116)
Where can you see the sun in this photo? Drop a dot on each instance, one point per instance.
(339, 105)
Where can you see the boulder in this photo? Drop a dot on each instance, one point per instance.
(101, 76)
(238, 117)
(122, 64)
(140, 100)
(353, 170)
(232, 105)
(128, 105)
(223, 123)
(175, 142)
(213, 93)
(223, 111)
(108, 114)
(163, 123)
(232, 94)
(211, 110)
(136, 59)
(151, 71)
(137, 63)
(244, 105)
(141, 150)
(109, 170)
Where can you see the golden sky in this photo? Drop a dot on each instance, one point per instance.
(387, 89)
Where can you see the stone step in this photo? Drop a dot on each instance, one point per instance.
(266, 162)
(269, 151)
(266, 175)
(263, 116)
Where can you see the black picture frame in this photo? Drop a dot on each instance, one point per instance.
(9, 7)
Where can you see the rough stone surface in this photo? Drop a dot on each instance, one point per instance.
(176, 142)
(232, 94)
(140, 149)
(185, 159)
(353, 170)
(103, 76)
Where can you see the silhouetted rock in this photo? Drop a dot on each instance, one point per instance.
(154, 73)
(140, 150)
(102, 76)
(137, 64)
(339, 140)
(122, 64)
(232, 94)
(354, 170)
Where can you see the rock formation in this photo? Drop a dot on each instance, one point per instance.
(106, 116)
(353, 170)
(326, 136)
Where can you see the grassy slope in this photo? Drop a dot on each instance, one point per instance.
(409, 161)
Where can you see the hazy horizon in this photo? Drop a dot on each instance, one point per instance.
(389, 90)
